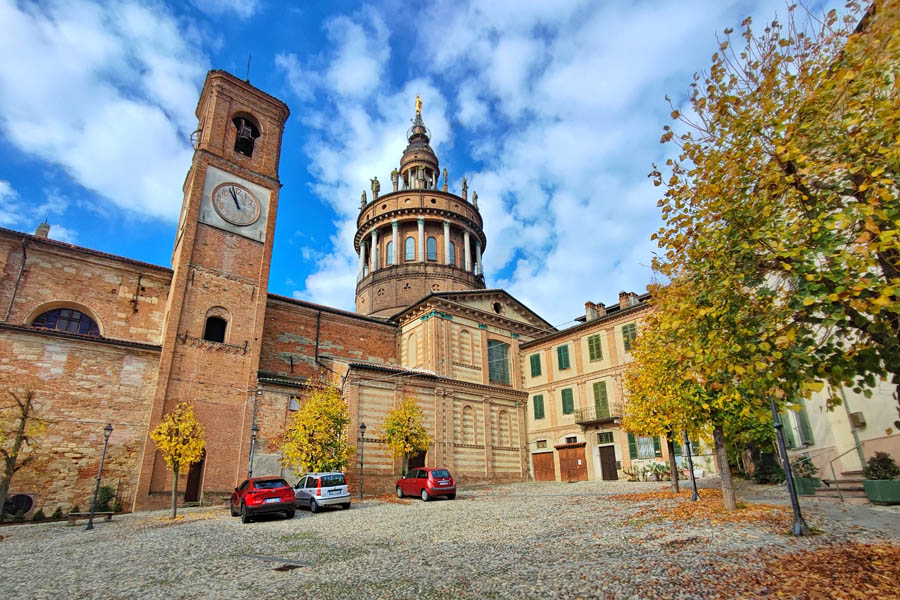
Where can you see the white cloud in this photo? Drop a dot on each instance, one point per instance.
(107, 93)
(62, 234)
(242, 8)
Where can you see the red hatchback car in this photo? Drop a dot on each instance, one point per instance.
(262, 495)
(426, 483)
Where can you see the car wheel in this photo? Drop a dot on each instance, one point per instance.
(425, 496)
(234, 513)
(314, 507)
(345, 505)
(451, 496)
(399, 492)
(290, 513)
(245, 516)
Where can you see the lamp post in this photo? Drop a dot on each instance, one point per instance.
(253, 431)
(687, 448)
(362, 450)
(106, 433)
(800, 527)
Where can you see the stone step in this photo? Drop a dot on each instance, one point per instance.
(846, 492)
(848, 483)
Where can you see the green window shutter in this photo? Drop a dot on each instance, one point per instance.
(595, 350)
(695, 447)
(632, 446)
(806, 436)
(677, 448)
(535, 365)
(539, 406)
(601, 400)
(568, 401)
(657, 449)
(562, 355)
(629, 333)
(787, 430)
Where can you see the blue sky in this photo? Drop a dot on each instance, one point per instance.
(552, 110)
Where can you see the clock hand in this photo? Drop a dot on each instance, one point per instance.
(234, 197)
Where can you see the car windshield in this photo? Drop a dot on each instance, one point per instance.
(331, 480)
(270, 484)
(440, 473)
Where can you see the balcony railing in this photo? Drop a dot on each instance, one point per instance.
(591, 416)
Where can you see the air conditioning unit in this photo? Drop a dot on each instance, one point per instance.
(858, 420)
(21, 501)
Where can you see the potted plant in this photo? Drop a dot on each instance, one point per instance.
(805, 480)
(879, 482)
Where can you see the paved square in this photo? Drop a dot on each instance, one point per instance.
(530, 540)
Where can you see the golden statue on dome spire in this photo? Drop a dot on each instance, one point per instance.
(418, 106)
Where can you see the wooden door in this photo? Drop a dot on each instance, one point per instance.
(195, 477)
(572, 465)
(544, 470)
(608, 463)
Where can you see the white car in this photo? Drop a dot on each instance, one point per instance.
(318, 490)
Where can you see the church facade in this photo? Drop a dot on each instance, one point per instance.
(105, 339)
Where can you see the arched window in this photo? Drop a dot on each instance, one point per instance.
(389, 254)
(465, 348)
(503, 428)
(412, 351)
(410, 249)
(452, 260)
(215, 329)
(67, 319)
(431, 251)
(245, 136)
(468, 425)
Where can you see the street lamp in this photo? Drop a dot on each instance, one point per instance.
(253, 431)
(800, 527)
(106, 433)
(362, 450)
(687, 448)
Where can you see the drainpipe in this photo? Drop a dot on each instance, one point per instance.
(18, 279)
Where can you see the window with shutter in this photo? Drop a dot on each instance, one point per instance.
(657, 448)
(562, 355)
(806, 436)
(629, 333)
(595, 350)
(632, 447)
(677, 448)
(538, 401)
(646, 448)
(535, 365)
(788, 430)
(568, 401)
(601, 400)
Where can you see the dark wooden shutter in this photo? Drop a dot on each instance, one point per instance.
(568, 401)
(562, 355)
(601, 400)
(535, 365)
(595, 350)
(632, 446)
(657, 449)
(539, 406)
(806, 436)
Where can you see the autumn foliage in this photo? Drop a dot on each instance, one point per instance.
(179, 438)
(317, 438)
(404, 432)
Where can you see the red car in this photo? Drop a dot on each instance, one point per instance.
(262, 495)
(426, 483)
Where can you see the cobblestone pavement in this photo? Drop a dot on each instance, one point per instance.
(529, 540)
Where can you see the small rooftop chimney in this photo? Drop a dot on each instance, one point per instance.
(627, 299)
(590, 311)
(43, 230)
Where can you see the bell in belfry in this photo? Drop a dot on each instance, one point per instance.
(245, 138)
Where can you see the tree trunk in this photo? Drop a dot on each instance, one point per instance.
(673, 465)
(728, 497)
(4, 486)
(174, 492)
(12, 456)
(404, 463)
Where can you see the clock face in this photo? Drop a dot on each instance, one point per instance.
(235, 203)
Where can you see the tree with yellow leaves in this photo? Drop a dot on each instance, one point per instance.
(786, 191)
(19, 430)
(179, 437)
(317, 439)
(403, 431)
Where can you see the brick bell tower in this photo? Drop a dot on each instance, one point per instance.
(217, 300)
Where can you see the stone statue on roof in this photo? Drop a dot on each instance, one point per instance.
(376, 187)
(363, 201)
